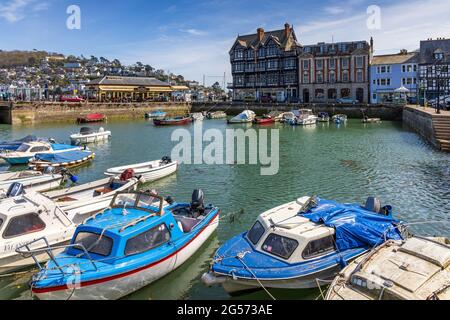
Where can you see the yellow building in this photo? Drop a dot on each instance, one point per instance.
(116, 88)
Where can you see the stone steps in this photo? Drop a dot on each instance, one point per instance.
(441, 125)
(444, 145)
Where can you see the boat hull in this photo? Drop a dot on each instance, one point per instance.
(80, 139)
(150, 175)
(38, 184)
(120, 285)
(180, 122)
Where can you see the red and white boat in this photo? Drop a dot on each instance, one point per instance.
(264, 120)
(93, 117)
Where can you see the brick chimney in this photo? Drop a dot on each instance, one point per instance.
(260, 33)
(287, 29)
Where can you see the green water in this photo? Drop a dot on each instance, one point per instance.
(346, 163)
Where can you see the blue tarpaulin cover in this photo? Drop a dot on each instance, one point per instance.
(59, 147)
(355, 226)
(63, 156)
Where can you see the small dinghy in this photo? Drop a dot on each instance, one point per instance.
(216, 115)
(125, 248)
(89, 135)
(303, 117)
(287, 117)
(180, 121)
(197, 116)
(294, 244)
(25, 218)
(247, 116)
(277, 115)
(415, 269)
(158, 114)
(371, 120)
(323, 117)
(31, 180)
(28, 150)
(69, 159)
(79, 201)
(264, 120)
(340, 118)
(148, 171)
(93, 117)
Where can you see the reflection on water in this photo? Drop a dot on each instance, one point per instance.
(346, 163)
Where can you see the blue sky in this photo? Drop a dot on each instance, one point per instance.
(193, 37)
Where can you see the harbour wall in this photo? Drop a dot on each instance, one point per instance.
(385, 112)
(44, 112)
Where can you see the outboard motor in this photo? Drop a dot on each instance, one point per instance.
(15, 190)
(169, 200)
(197, 204)
(373, 204)
(49, 170)
(166, 160)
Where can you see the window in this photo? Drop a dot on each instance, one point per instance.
(332, 94)
(319, 64)
(24, 224)
(345, 93)
(319, 94)
(261, 52)
(332, 77)
(319, 77)
(239, 54)
(305, 77)
(318, 247)
(306, 64)
(250, 54)
(95, 243)
(345, 77)
(332, 63)
(280, 246)
(272, 64)
(148, 240)
(345, 63)
(23, 148)
(359, 76)
(359, 62)
(272, 51)
(1, 222)
(256, 232)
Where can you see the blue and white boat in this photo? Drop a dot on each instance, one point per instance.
(13, 145)
(340, 118)
(28, 150)
(126, 247)
(295, 244)
(158, 114)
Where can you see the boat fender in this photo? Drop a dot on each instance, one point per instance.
(127, 175)
(73, 178)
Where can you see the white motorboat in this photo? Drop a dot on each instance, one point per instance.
(216, 115)
(197, 116)
(148, 171)
(28, 218)
(415, 269)
(303, 117)
(31, 180)
(80, 201)
(287, 117)
(247, 116)
(89, 135)
(28, 150)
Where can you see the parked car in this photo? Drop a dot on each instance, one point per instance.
(71, 99)
(347, 100)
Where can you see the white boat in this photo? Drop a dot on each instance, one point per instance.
(148, 171)
(197, 116)
(31, 180)
(216, 115)
(246, 116)
(304, 117)
(340, 118)
(80, 201)
(89, 135)
(28, 218)
(287, 117)
(28, 150)
(277, 115)
(415, 269)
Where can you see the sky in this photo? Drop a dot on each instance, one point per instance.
(193, 38)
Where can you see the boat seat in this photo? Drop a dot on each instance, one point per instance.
(103, 190)
(66, 199)
(187, 224)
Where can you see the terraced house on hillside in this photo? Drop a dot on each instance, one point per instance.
(331, 71)
(264, 65)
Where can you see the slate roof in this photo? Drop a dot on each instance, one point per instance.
(279, 36)
(429, 47)
(129, 81)
(399, 58)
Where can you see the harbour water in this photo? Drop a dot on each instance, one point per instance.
(346, 163)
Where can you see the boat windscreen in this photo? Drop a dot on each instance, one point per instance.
(23, 148)
(86, 131)
(94, 243)
(256, 232)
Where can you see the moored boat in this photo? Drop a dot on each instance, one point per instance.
(293, 245)
(415, 269)
(148, 171)
(89, 135)
(31, 180)
(14, 145)
(197, 116)
(158, 114)
(247, 116)
(303, 117)
(80, 201)
(216, 115)
(340, 118)
(264, 120)
(371, 120)
(179, 121)
(28, 150)
(92, 117)
(125, 248)
(68, 159)
(277, 115)
(323, 117)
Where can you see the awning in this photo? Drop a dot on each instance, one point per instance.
(402, 89)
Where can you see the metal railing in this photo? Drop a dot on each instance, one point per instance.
(26, 252)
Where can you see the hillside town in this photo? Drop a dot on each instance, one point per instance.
(38, 75)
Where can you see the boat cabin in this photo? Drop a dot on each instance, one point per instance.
(34, 147)
(283, 234)
(29, 217)
(136, 223)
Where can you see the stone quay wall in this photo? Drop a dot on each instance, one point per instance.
(421, 123)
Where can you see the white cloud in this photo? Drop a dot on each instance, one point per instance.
(14, 10)
(334, 10)
(193, 32)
